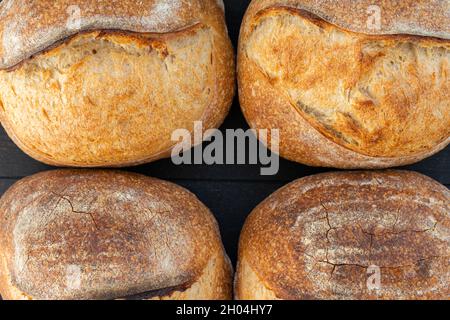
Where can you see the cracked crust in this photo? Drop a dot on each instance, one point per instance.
(346, 99)
(71, 234)
(317, 237)
(112, 91)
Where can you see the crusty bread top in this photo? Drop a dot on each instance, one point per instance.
(30, 26)
(375, 95)
(70, 234)
(366, 101)
(415, 17)
(316, 237)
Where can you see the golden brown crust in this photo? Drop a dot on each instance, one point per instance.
(98, 97)
(105, 235)
(317, 237)
(344, 99)
(249, 286)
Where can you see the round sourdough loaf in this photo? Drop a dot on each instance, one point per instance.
(108, 235)
(349, 84)
(105, 83)
(358, 235)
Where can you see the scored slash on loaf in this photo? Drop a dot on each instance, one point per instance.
(342, 94)
(105, 83)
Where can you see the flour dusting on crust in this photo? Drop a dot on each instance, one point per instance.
(27, 27)
(162, 12)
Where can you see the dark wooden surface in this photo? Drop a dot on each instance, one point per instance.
(230, 191)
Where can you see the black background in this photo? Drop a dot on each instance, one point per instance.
(230, 191)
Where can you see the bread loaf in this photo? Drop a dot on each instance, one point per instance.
(105, 83)
(355, 235)
(349, 84)
(108, 235)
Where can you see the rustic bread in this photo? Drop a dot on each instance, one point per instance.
(105, 83)
(318, 237)
(343, 94)
(108, 235)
